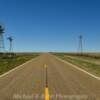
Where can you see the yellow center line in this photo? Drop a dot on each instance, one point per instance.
(46, 93)
(46, 87)
(45, 66)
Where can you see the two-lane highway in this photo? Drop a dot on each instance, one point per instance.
(64, 82)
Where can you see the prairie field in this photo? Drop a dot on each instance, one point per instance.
(7, 63)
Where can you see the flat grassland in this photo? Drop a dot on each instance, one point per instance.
(8, 63)
(87, 61)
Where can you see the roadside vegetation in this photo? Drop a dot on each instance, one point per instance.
(7, 63)
(89, 63)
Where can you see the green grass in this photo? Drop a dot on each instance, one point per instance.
(88, 66)
(7, 64)
(86, 59)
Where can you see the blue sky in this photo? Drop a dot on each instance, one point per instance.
(51, 25)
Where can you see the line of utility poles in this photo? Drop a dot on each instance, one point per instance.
(2, 45)
(10, 39)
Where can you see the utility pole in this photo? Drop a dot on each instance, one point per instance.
(1, 38)
(81, 44)
(10, 43)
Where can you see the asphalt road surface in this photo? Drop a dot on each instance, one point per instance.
(28, 82)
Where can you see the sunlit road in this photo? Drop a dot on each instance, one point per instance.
(64, 82)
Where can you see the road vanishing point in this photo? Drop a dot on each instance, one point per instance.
(48, 78)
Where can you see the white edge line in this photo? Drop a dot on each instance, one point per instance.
(17, 67)
(64, 61)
